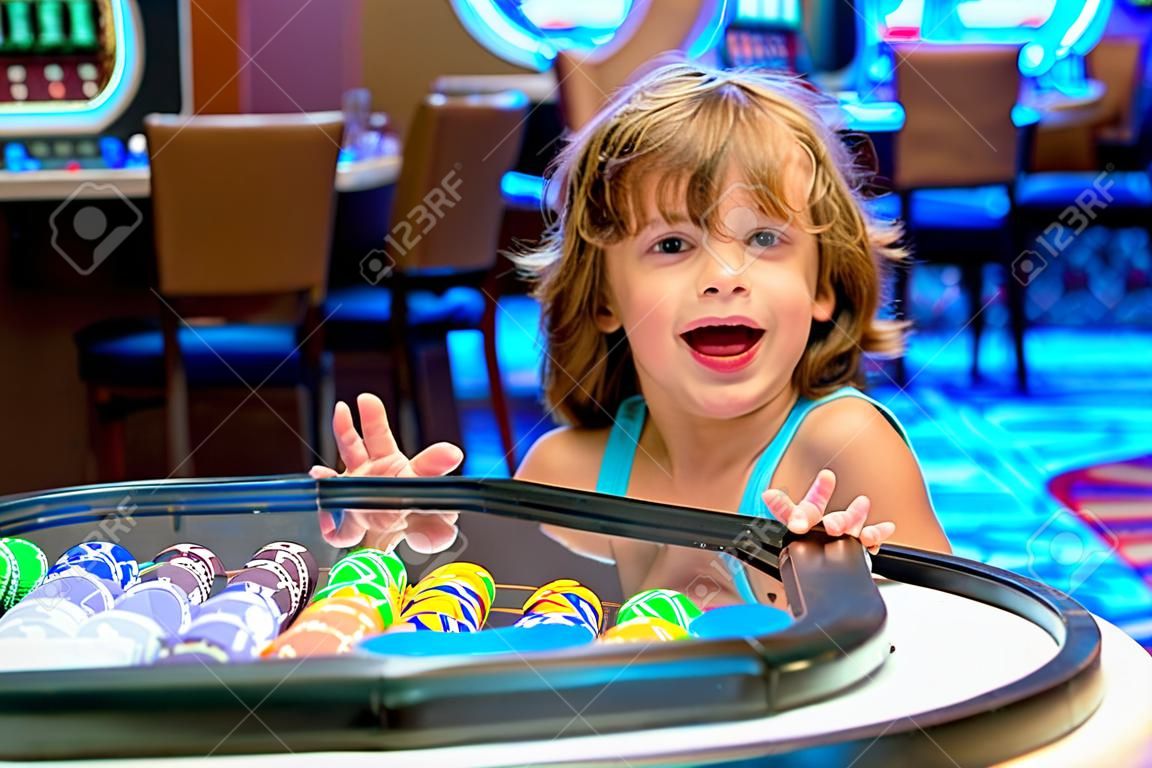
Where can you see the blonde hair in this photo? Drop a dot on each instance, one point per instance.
(684, 126)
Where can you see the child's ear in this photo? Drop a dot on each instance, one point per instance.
(606, 320)
(824, 305)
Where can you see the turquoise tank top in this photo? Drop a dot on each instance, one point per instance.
(620, 452)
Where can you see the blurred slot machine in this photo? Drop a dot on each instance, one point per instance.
(767, 35)
(78, 77)
(1054, 35)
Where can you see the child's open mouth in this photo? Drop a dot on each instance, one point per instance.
(725, 347)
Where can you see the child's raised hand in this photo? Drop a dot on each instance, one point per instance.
(800, 517)
(376, 454)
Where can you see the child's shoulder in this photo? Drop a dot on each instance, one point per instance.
(567, 456)
(847, 428)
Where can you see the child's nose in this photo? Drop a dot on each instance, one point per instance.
(722, 271)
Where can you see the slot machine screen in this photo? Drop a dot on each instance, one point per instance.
(776, 50)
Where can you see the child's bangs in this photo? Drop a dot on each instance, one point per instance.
(721, 154)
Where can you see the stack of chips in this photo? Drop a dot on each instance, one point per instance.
(160, 600)
(282, 571)
(110, 563)
(369, 574)
(667, 604)
(564, 601)
(22, 568)
(331, 626)
(654, 615)
(453, 598)
(82, 583)
(198, 560)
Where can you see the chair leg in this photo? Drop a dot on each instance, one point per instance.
(496, 383)
(107, 440)
(176, 399)
(1019, 321)
(973, 277)
(902, 293)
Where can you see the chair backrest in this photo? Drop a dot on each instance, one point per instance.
(243, 204)
(958, 100)
(654, 31)
(448, 209)
(1118, 62)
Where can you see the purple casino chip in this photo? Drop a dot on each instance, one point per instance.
(210, 561)
(192, 584)
(162, 601)
(144, 635)
(284, 552)
(257, 610)
(284, 581)
(61, 617)
(198, 568)
(79, 588)
(264, 580)
(229, 633)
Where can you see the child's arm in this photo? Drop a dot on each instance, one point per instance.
(561, 458)
(377, 454)
(874, 491)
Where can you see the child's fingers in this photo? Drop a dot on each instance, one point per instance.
(849, 521)
(778, 504)
(378, 438)
(811, 509)
(348, 442)
(435, 460)
(320, 472)
(874, 535)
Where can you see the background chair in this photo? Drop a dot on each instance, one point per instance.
(654, 34)
(243, 217)
(954, 166)
(433, 271)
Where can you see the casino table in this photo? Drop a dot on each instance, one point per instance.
(904, 658)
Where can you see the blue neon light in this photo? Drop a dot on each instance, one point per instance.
(530, 32)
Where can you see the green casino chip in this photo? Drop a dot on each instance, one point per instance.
(383, 567)
(9, 577)
(666, 604)
(31, 566)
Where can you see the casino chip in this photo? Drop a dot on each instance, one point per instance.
(191, 583)
(644, 630)
(228, 632)
(285, 581)
(79, 588)
(382, 598)
(306, 564)
(271, 583)
(142, 634)
(162, 601)
(26, 568)
(43, 618)
(198, 559)
(256, 610)
(667, 604)
(122, 567)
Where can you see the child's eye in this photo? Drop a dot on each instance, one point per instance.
(765, 238)
(671, 245)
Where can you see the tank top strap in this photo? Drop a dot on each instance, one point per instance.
(620, 451)
(765, 467)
